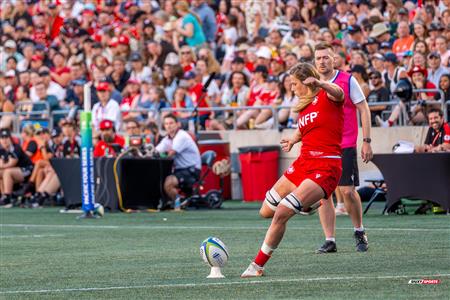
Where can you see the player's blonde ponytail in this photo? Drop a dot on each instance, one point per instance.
(301, 71)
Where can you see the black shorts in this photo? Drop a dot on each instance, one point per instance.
(187, 177)
(350, 173)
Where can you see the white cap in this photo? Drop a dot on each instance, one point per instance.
(10, 44)
(172, 59)
(264, 52)
(10, 73)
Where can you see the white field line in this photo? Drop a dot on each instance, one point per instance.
(30, 236)
(213, 284)
(164, 227)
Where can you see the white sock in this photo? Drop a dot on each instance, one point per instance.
(266, 249)
(340, 205)
(358, 228)
(331, 239)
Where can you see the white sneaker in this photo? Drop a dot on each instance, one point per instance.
(380, 122)
(253, 270)
(340, 211)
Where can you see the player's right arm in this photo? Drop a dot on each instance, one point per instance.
(287, 144)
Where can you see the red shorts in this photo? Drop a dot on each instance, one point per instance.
(326, 172)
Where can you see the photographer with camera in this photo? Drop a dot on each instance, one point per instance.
(180, 146)
(110, 143)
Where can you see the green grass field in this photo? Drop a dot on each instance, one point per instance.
(48, 255)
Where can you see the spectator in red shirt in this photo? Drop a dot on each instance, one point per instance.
(110, 142)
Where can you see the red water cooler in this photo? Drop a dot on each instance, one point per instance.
(259, 170)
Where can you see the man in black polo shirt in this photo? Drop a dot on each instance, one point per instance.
(15, 166)
(438, 136)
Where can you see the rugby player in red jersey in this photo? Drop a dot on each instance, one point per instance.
(316, 172)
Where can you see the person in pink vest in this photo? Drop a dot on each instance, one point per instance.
(354, 101)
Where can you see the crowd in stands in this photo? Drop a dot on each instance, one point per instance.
(143, 58)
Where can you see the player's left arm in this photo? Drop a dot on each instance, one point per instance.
(366, 149)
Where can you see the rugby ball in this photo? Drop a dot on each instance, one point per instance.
(214, 252)
(99, 210)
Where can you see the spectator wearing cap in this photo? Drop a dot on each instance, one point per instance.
(55, 143)
(377, 60)
(264, 56)
(262, 92)
(189, 26)
(138, 70)
(404, 41)
(355, 36)
(393, 72)
(75, 93)
(60, 72)
(207, 19)
(99, 76)
(52, 87)
(110, 143)
(277, 66)
(119, 76)
(378, 93)
(9, 49)
(418, 76)
(37, 61)
(380, 32)
(435, 70)
(11, 85)
(371, 46)
(199, 99)
(434, 30)
(442, 49)
(106, 108)
(15, 166)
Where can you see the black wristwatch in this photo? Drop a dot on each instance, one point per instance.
(367, 140)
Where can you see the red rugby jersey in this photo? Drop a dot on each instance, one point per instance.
(320, 125)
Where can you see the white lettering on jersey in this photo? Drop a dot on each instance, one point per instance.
(308, 118)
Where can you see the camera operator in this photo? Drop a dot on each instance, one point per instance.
(110, 143)
(438, 136)
(179, 145)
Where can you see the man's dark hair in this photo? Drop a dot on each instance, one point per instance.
(171, 116)
(436, 110)
(297, 32)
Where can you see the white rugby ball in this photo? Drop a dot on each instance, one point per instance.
(214, 252)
